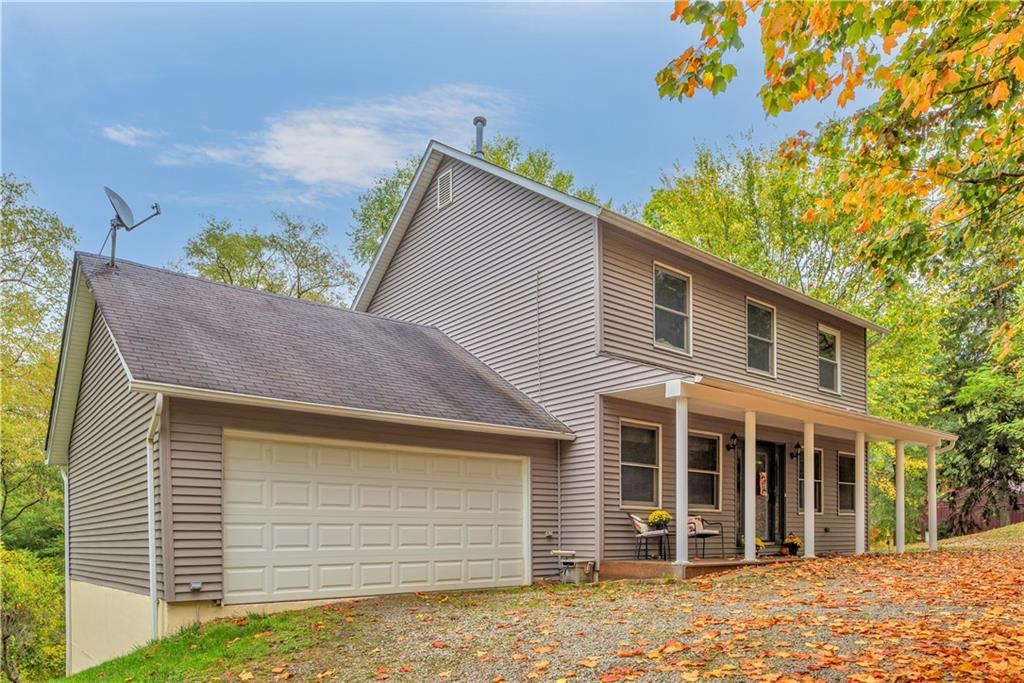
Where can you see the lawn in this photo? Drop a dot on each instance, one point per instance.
(955, 614)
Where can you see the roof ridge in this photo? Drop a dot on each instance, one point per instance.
(259, 292)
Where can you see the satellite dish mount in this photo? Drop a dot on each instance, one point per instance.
(123, 219)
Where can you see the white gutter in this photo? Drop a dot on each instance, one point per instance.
(67, 576)
(151, 513)
(219, 396)
(948, 447)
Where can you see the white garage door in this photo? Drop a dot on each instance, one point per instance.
(305, 520)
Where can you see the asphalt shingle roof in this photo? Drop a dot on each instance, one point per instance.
(177, 329)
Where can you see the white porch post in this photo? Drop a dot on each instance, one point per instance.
(682, 480)
(933, 503)
(901, 512)
(809, 507)
(860, 521)
(749, 474)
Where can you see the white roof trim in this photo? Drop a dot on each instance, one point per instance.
(723, 392)
(404, 216)
(199, 394)
(73, 349)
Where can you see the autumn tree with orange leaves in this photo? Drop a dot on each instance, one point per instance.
(934, 169)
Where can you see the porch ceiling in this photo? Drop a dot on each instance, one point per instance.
(729, 400)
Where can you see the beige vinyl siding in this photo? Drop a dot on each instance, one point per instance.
(719, 326)
(107, 473)
(511, 276)
(197, 456)
(834, 533)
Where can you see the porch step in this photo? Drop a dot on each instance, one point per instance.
(612, 570)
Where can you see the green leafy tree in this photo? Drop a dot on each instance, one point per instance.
(34, 269)
(933, 166)
(295, 260)
(378, 205)
(31, 621)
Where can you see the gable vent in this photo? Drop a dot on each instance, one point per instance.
(445, 195)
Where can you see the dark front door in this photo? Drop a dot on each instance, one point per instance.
(770, 474)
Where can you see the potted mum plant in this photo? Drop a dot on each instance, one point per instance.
(759, 545)
(659, 519)
(791, 544)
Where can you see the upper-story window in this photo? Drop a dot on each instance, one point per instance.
(828, 359)
(672, 299)
(760, 337)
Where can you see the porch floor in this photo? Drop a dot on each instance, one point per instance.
(658, 569)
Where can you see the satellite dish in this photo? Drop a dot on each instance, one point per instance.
(124, 213)
(123, 218)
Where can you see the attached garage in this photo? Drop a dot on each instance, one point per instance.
(311, 519)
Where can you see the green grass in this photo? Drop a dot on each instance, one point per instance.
(199, 652)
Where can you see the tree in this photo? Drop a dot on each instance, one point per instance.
(34, 269)
(933, 167)
(379, 204)
(742, 204)
(32, 623)
(295, 261)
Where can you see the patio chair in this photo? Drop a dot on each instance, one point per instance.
(645, 532)
(700, 530)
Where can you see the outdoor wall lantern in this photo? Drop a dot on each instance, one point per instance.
(733, 441)
(797, 451)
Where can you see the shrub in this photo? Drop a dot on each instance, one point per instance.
(31, 616)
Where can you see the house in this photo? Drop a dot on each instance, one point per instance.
(520, 369)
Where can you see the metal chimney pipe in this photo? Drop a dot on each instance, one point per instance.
(479, 122)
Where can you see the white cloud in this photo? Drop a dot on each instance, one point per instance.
(341, 148)
(130, 135)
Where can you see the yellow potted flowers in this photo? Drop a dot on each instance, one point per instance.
(659, 519)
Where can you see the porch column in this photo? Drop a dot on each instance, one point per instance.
(860, 521)
(809, 507)
(933, 503)
(682, 480)
(749, 474)
(901, 511)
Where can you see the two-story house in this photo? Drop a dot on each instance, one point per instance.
(520, 371)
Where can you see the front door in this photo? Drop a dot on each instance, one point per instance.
(770, 473)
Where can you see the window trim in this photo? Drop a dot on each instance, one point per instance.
(840, 483)
(839, 359)
(799, 483)
(720, 474)
(688, 352)
(774, 340)
(640, 505)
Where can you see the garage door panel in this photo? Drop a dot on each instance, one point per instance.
(307, 521)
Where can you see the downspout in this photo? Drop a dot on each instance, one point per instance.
(67, 576)
(947, 448)
(151, 514)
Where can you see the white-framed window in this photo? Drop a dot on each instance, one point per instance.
(829, 376)
(847, 482)
(673, 298)
(705, 471)
(639, 464)
(760, 337)
(818, 507)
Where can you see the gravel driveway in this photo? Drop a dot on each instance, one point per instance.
(956, 614)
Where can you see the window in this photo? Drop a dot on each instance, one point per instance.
(817, 481)
(828, 359)
(671, 309)
(760, 337)
(640, 464)
(705, 471)
(847, 482)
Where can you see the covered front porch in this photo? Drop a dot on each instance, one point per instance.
(784, 451)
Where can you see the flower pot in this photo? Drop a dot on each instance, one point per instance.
(791, 548)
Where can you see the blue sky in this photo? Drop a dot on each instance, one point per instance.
(237, 110)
